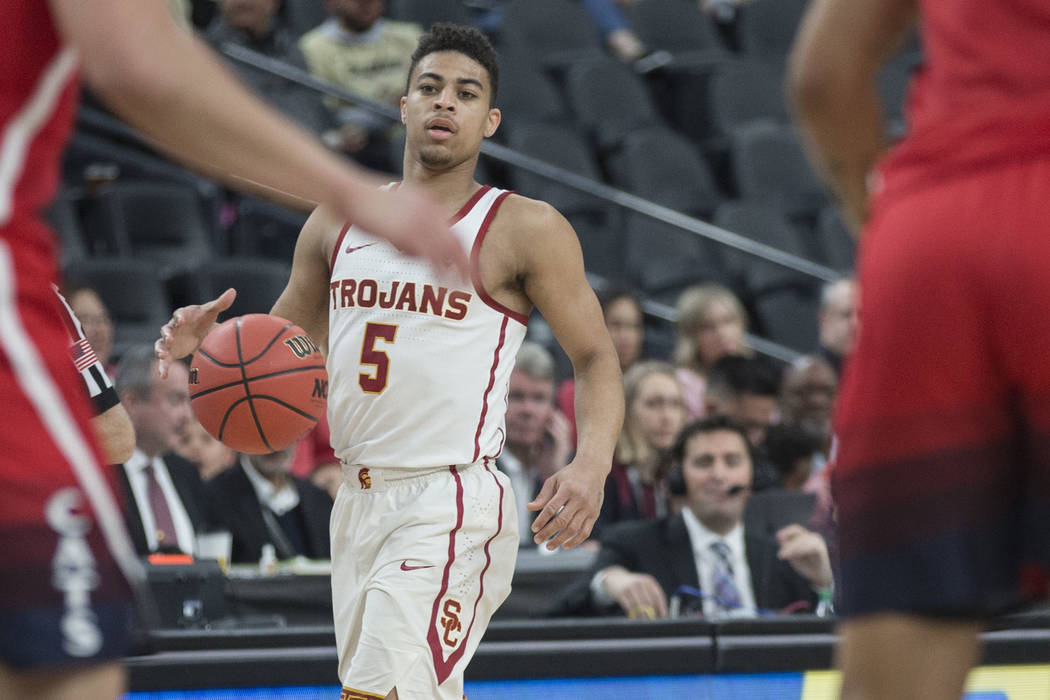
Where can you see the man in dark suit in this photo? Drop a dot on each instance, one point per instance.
(163, 494)
(260, 502)
(702, 560)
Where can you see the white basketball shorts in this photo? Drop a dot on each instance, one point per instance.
(420, 562)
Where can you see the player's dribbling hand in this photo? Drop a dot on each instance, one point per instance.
(411, 222)
(188, 325)
(569, 503)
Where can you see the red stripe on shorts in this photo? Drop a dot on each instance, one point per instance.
(441, 667)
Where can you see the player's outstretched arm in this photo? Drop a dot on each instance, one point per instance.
(554, 281)
(174, 89)
(185, 331)
(304, 300)
(832, 73)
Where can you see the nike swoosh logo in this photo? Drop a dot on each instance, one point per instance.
(406, 567)
(351, 249)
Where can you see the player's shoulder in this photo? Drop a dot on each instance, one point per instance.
(527, 215)
(321, 232)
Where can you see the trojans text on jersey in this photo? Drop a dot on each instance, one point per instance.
(402, 296)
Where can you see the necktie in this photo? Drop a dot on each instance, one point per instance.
(726, 594)
(162, 520)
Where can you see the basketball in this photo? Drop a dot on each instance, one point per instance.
(258, 383)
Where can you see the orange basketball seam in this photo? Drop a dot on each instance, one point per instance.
(247, 389)
(230, 385)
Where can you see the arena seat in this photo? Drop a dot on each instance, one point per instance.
(155, 221)
(258, 283)
(665, 167)
(609, 101)
(558, 32)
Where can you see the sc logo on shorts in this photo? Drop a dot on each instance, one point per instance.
(363, 478)
(450, 621)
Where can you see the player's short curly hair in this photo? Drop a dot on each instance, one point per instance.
(469, 41)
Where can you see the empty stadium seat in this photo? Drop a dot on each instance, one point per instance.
(426, 12)
(662, 259)
(155, 221)
(679, 27)
(664, 167)
(258, 283)
(768, 163)
(64, 217)
(266, 230)
(609, 101)
(743, 92)
(526, 91)
(555, 32)
(767, 29)
(562, 146)
(838, 249)
(763, 222)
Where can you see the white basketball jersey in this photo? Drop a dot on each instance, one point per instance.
(418, 366)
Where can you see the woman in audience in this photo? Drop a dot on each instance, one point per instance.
(655, 413)
(94, 318)
(711, 323)
(625, 320)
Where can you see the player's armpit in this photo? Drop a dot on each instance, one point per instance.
(304, 300)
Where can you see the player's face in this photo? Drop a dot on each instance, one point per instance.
(657, 412)
(446, 112)
(530, 403)
(712, 464)
(624, 321)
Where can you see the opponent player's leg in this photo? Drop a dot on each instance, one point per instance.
(904, 657)
(926, 474)
(65, 607)
(101, 681)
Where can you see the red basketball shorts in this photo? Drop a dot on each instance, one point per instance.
(942, 485)
(63, 600)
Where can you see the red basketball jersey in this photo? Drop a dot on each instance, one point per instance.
(38, 93)
(983, 94)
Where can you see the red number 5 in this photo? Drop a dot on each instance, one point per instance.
(375, 383)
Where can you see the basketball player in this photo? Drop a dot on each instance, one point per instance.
(424, 531)
(63, 602)
(943, 476)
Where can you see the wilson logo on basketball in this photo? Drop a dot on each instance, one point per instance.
(450, 621)
(302, 346)
(364, 479)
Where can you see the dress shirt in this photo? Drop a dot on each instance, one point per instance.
(279, 500)
(701, 539)
(135, 468)
(524, 487)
